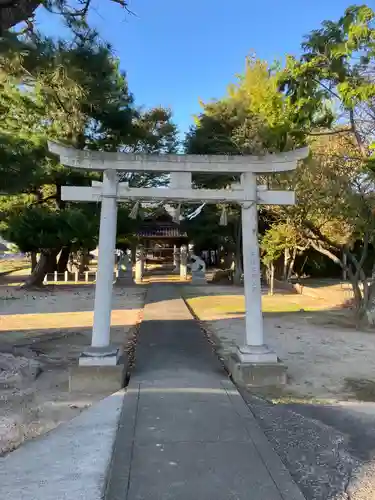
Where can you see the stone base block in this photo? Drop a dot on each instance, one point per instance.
(93, 379)
(198, 281)
(256, 374)
(124, 281)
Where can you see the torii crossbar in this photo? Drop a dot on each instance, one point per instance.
(181, 167)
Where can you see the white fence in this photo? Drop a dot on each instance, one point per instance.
(76, 277)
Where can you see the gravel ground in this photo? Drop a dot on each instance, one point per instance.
(328, 447)
(48, 330)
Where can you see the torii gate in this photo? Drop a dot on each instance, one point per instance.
(181, 168)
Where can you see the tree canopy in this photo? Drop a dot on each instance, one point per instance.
(324, 99)
(334, 77)
(74, 92)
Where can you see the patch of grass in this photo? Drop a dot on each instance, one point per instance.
(363, 389)
(9, 265)
(24, 271)
(235, 304)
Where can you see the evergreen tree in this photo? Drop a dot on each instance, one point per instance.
(92, 109)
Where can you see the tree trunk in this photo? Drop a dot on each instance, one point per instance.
(63, 260)
(359, 305)
(33, 259)
(52, 262)
(369, 299)
(286, 263)
(370, 306)
(271, 279)
(358, 301)
(14, 11)
(46, 260)
(345, 265)
(290, 268)
(83, 261)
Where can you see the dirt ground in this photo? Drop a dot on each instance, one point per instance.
(324, 353)
(47, 330)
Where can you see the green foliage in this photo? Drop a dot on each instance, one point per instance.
(254, 118)
(336, 69)
(21, 163)
(68, 90)
(37, 228)
(276, 240)
(154, 132)
(75, 92)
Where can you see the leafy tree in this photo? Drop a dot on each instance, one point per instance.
(335, 210)
(328, 92)
(335, 77)
(280, 240)
(253, 118)
(43, 231)
(333, 91)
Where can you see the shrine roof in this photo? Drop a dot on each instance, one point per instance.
(161, 229)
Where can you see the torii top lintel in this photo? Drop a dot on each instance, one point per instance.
(97, 160)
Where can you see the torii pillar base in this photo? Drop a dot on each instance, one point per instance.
(259, 367)
(99, 370)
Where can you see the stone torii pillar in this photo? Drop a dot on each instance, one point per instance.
(101, 352)
(254, 348)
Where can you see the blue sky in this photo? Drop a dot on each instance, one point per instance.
(176, 52)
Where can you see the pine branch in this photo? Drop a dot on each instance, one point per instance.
(13, 12)
(43, 200)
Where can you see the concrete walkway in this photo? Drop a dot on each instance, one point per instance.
(185, 433)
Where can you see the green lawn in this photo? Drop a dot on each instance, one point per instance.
(228, 305)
